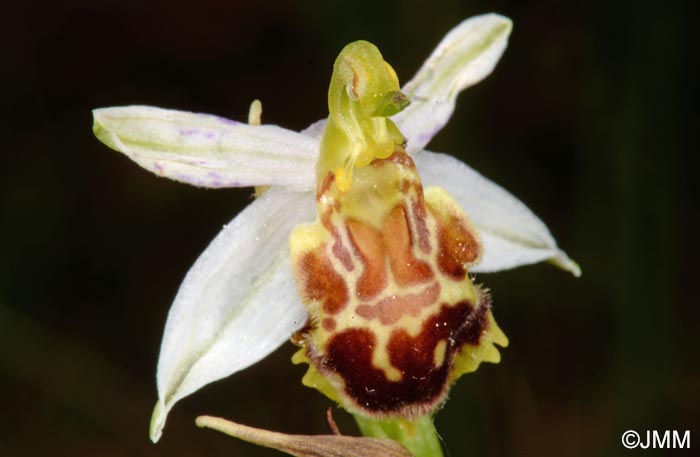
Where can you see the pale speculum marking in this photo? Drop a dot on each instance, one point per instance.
(392, 303)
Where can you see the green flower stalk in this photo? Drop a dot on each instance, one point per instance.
(358, 244)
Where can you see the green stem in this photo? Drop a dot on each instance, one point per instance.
(418, 436)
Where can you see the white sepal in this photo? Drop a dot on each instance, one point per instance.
(237, 304)
(316, 129)
(511, 233)
(206, 150)
(466, 55)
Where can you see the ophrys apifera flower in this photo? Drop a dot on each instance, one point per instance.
(240, 300)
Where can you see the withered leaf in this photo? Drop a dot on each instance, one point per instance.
(307, 445)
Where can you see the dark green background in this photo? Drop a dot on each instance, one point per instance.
(587, 119)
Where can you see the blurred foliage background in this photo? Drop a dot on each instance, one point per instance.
(587, 119)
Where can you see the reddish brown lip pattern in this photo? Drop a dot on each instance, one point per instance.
(423, 384)
(395, 305)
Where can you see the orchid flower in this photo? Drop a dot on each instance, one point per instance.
(239, 301)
